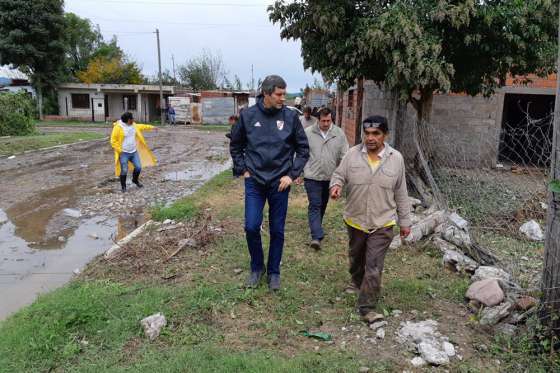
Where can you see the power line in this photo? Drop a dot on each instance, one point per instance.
(178, 3)
(94, 19)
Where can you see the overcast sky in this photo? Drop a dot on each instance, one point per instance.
(237, 29)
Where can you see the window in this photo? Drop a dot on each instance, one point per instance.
(131, 100)
(80, 100)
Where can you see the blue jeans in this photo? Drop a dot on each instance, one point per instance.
(255, 197)
(130, 157)
(318, 197)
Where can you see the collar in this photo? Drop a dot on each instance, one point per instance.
(317, 130)
(386, 150)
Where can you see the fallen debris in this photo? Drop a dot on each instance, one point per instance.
(487, 292)
(485, 272)
(493, 315)
(153, 325)
(424, 338)
(532, 230)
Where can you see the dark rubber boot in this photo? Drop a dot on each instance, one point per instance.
(135, 176)
(123, 183)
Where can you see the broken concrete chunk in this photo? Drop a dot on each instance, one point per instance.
(377, 325)
(532, 230)
(416, 331)
(493, 315)
(487, 292)
(153, 325)
(458, 221)
(425, 226)
(414, 201)
(459, 262)
(380, 334)
(484, 272)
(73, 213)
(432, 351)
(417, 362)
(449, 349)
(456, 236)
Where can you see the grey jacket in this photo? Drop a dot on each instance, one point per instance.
(325, 154)
(374, 198)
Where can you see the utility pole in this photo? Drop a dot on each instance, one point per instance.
(173, 61)
(252, 79)
(550, 310)
(161, 102)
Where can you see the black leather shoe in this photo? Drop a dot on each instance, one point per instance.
(274, 282)
(123, 183)
(254, 279)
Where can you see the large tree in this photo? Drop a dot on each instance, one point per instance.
(204, 72)
(82, 40)
(31, 38)
(115, 70)
(417, 47)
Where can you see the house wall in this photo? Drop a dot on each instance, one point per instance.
(217, 110)
(65, 103)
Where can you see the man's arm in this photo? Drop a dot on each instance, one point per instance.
(302, 150)
(115, 142)
(144, 127)
(339, 178)
(401, 199)
(237, 147)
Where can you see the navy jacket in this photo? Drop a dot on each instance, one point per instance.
(264, 142)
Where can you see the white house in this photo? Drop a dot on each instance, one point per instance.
(13, 80)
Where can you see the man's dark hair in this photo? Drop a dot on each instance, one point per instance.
(126, 117)
(376, 121)
(233, 117)
(324, 111)
(270, 83)
(307, 109)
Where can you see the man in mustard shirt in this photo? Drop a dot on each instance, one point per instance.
(130, 147)
(373, 174)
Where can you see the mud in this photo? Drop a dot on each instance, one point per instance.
(62, 207)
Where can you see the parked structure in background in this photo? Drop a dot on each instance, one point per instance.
(13, 80)
(316, 98)
(462, 118)
(218, 106)
(107, 102)
(187, 108)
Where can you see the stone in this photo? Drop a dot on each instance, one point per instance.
(372, 317)
(237, 271)
(416, 331)
(167, 221)
(363, 370)
(153, 325)
(3, 217)
(73, 213)
(525, 302)
(417, 362)
(414, 201)
(61, 239)
(487, 292)
(493, 315)
(377, 325)
(506, 329)
(380, 334)
(459, 262)
(432, 351)
(484, 272)
(456, 236)
(396, 313)
(458, 221)
(449, 349)
(532, 230)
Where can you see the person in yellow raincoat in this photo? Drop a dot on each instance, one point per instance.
(130, 147)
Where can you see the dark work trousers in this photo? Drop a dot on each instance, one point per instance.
(318, 197)
(367, 254)
(255, 197)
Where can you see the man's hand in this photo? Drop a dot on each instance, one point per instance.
(405, 231)
(246, 174)
(299, 181)
(285, 182)
(336, 192)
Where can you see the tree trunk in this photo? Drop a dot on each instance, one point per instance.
(358, 113)
(550, 312)
(40, 101)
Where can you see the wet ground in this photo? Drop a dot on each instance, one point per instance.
(62, 207)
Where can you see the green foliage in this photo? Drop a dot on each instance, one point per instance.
(16, 114)
(82, 40)
(31, 38)
(179, 210)
(112, 70)
(203, 72)
(554, 186)
(14, 145)
(418, 47)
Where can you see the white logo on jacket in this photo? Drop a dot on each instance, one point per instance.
(280, 124)
(258, 124)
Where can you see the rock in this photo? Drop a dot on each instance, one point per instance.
(544, 206)
(487, 292)
(396, 313)
(506, 329)
(458, 221)
(456, 236)
(377, 325)
(61, 239)
(237, 271)
(363, 370)
(432, 351)
(449, 349)
(73, 213)
(414, 201)
(474, 306)
(11, 157)
(417, 331)
(525, 302)
(484, 272)
(493, 315)
(167, 221)
(153, 325)
(532, 230)
(459, 262)
(417, 362)
(380, 334)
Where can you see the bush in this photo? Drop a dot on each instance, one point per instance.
(17, 113)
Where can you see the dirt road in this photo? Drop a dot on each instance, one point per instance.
(62, 207)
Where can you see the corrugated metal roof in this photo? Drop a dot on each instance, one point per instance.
(6, 71)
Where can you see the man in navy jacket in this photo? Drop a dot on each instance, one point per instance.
(263, 145)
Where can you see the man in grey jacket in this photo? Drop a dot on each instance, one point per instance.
(327, 146)
(373, 174)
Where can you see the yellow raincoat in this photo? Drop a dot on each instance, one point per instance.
(147, 158)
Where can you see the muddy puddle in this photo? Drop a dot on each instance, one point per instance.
(47, 239)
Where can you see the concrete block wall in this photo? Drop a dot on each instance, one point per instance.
(64, 95)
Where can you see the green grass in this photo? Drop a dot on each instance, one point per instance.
(70, 123)
(18, 144)
(214, 324)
